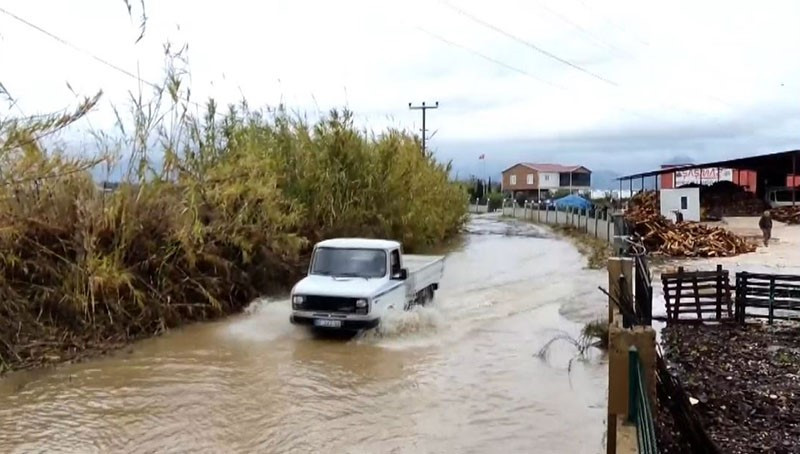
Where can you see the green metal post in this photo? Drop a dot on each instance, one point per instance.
(633, 381)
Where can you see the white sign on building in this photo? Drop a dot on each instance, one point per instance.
(702, 176)
(685, 200)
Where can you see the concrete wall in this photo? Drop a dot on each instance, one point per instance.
(671, 200)
(477, 209)
(596, 227)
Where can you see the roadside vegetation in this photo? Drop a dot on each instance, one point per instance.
(597, 331)
(214, 209)
(597, 251)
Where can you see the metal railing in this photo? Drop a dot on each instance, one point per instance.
(640, 410)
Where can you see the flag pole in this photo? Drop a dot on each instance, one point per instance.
(486, 178)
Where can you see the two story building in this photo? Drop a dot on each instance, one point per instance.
(538, 181)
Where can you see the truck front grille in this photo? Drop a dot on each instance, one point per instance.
(330, 304)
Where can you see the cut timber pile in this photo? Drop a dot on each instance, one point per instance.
(686, 239)
(788, 215)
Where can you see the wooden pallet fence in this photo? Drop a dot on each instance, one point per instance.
(697, 296)
(767, 296)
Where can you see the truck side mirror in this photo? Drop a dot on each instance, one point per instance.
(401, 275)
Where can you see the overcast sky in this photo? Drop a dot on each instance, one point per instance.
(625, 85)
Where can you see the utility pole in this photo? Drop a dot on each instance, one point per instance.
(423, 108)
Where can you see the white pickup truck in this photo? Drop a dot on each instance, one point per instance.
(352, 283)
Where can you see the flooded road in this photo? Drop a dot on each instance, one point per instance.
(460, 376)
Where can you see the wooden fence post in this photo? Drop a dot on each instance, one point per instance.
(719, 292)
(697, 298)
(771, 299)
(618, 267)
(741, 294)
(678, 290)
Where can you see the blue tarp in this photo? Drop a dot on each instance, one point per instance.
(573, 201)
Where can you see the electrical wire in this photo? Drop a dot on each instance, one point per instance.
(74, 47)
(499, 30)
(528, 44)
(612, 23)
(587, 34)
(490, 59)
(523, 72)
(92, 55)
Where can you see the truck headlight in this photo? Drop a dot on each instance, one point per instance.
(297, 301)
(362, 306)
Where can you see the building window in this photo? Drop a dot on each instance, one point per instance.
(530, 178)
(512, 179)
(547, 178)
(684, 203)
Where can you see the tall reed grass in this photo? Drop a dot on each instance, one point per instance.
(228, 214)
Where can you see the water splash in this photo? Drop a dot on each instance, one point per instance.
(418, 321)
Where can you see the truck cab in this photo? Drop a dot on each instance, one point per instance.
(352, 283)
(782, 196)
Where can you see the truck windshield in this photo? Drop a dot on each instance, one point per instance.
(365, 263)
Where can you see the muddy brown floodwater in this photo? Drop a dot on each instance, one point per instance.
(460, 376)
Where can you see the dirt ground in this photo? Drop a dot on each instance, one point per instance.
(744, 382)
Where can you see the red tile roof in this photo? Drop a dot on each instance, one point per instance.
(550, 167)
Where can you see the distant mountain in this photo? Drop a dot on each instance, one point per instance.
(605, 179)
(680, 159)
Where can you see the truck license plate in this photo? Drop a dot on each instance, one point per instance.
(328, 323)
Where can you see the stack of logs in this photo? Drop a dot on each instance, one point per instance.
(685, 239)
(788, 215)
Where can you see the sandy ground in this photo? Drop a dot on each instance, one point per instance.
(782, 255)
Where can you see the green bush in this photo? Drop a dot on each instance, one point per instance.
(229, 215)
(495, 201)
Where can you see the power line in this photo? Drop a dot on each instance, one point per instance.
(523, 72)
(528, 44)
(73, 47)
(591, 36)
(490, 59)
(612, 23)
(91, 55)
(561, 60)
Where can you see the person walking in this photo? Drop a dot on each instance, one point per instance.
(765, 223)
